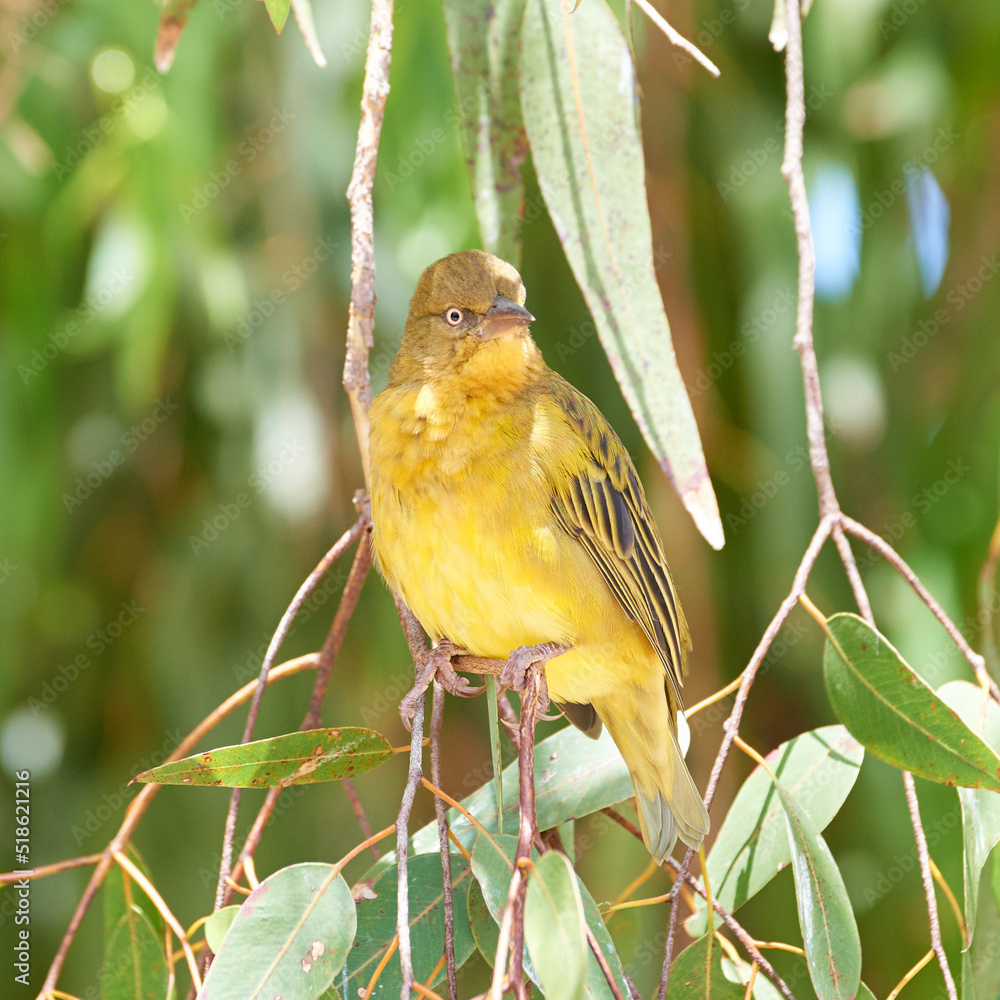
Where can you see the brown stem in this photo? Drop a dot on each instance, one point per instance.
(441, 812)
(342, 544)
(138, 806)
(894, 559)
(402, 836)
(925, 871)
(361, 317)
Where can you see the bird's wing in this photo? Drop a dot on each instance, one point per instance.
(597, 499)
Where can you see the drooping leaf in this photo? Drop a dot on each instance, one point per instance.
(277, 11)
(574, 777)
(893, 712)
(484, 927)
(579, 105)
(289, 939)
(980, 808)
(484, 39)
(829, 931)
(494, 713)
(981, 960)
(135, 961)
(293, 759)
(696, 974)
(819, 768)
(555, 930)
(172, 23)
(218, 924)
(493, 867)
(377, 927)
(116, 904)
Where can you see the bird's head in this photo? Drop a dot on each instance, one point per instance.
(467, 319)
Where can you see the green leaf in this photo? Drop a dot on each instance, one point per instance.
(574, 776)
(696, 974)
(377, 926)
(277, 11)
(493, 867)
(218, 924)
(893, 712)
(981, 960)
(135, 962)
(484, 37)
(580, 111)
(289, 939)
(494, 713)
(829, 932)
(484, 927)
(555, 930)
(115, 904)
(819, 768)
(980, 808)
(293, 759)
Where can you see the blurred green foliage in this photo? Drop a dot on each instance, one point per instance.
(176, 451)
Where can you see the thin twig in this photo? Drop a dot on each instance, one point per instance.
(891, 556)
(441, 812)
(676, 38)
(307, 587)
(361, 317)
(402, 836)
(138, 806)
(853, 575)
(925, 872)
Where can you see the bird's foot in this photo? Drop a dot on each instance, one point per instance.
(522, 661)
(437, 667)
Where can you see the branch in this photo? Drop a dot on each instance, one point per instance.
(925, 871)
(441, 812)
(361, 316)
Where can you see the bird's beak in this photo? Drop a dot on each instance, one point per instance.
(504, 316)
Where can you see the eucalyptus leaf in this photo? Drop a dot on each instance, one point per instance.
(294, 759)
(217, 926)
(893, 712)
(980, 808)
(484, 39)
(829, 932)
(377, 927)
(697, 974)
(579, 102)
(555, 930)
(135, 961)
(290, 938)
(819, 769)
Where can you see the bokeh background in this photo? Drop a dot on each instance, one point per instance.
(174, 278)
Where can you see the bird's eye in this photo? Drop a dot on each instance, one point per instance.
(453, 315)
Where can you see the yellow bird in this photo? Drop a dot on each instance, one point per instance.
(507, 513)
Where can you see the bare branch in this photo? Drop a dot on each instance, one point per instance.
(402, 836)
(925, 871)
(361, 318)
(676, 38)
(441, 812)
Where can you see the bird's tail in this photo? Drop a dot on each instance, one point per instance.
(642, 726)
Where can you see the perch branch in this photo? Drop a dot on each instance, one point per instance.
(441, 812)
(361, 316)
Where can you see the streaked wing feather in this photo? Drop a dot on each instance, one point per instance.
(602, 505)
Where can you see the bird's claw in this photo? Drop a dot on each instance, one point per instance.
(437, 667)
(522, 660)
